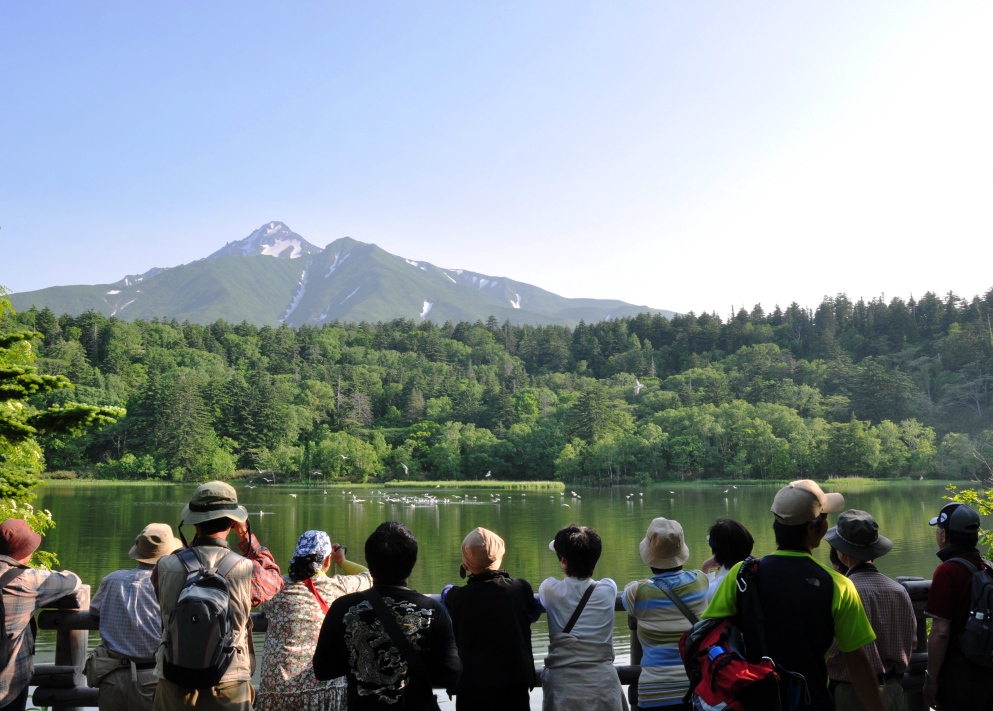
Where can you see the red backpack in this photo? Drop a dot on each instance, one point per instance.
(721, 677)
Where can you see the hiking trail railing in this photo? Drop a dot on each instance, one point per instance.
(62, 686)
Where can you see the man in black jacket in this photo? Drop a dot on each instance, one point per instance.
(492, 614)
(354, 643)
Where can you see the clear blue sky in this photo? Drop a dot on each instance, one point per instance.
(689, 156)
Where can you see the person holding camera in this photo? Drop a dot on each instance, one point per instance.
(295, 616)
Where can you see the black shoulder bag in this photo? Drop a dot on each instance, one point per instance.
(406, 649)
(579, 609)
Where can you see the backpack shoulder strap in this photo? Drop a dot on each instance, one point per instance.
(227, 563)
(579, 608)
(10, 576)
(389, 622)
(676, 600)
(748, 579)
(968, 565)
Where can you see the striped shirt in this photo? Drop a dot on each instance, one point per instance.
(33, 589)
(660, 625)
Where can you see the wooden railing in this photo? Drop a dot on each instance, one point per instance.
(62, 686)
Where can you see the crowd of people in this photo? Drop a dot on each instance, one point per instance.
(176, 630)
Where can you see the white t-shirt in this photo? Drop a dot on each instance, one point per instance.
(560, 598)
(715, 581)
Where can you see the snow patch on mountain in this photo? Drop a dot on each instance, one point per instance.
(273, 239)
(114, 291)
(516, 304)
(281, 245)
(426, 309)
(449, 278)
(337, 263)
(298, 294)
(118, 309)
(411, 262)
(492, 284)
(352, 294)
(483, 282)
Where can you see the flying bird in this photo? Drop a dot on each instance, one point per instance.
(637, 386)
(488, 473)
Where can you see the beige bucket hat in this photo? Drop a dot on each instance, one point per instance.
(481, 550)
(664, 545)
(154, 541)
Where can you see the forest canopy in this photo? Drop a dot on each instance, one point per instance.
(867, 388)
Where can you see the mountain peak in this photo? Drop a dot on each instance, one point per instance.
(273, 239)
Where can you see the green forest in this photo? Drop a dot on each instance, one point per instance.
(882, 389)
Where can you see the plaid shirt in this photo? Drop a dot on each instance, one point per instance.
(32, 590)
(891, 613)
(266, 578)
(130, 619)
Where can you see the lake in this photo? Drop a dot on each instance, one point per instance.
(97, 524)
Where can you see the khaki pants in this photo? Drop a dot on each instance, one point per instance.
(230, 696)
(845, 698)
(119, 692)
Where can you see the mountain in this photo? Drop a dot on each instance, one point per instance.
(272, 240)
(275, 276)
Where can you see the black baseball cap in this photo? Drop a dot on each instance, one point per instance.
(957, 517)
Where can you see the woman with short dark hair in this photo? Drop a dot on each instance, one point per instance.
(731, 543)
(579, 669)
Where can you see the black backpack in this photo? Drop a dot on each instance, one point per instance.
(977, 639)
(199, 636)
(7, 640)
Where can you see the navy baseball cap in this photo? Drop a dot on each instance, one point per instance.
(957, 517)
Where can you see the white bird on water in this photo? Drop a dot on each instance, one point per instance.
(565, 505)
(293, 495)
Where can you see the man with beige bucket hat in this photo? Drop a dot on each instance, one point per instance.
(793, 606)
(214, 511)
(123, 665)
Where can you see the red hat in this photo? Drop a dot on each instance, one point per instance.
(17, 541)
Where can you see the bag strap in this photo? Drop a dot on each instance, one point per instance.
(406, 649)
(676, 600)
(579, 608)
(227, 563)
(10, 576)
(309, 584)
(969, 566)
(748, 577)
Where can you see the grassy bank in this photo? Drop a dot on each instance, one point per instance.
(338, 485)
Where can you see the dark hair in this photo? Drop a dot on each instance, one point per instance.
(214, 525)
(794, 538)
(305, 567)
(391, 552)
(580, 548)
(790, 537)
(963, 539)
(730, 542)
(836, 561)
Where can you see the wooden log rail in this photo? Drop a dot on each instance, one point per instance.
(62, 686)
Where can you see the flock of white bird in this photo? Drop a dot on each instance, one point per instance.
(427, 499)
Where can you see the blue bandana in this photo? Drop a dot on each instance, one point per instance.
(313, 542)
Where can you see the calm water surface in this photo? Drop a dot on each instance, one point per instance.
(97, 525)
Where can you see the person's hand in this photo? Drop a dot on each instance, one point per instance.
(337, 554)
(931, 692)
(241, 530)
(709, 565)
